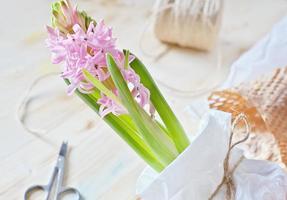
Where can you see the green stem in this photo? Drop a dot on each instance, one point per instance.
(168, 117)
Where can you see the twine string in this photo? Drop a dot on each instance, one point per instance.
(187, 11)
(22, 113)
(227, 178)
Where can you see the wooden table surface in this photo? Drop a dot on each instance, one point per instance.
(100, 164)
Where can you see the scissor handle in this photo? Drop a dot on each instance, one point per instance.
(34, 188)
(70, 191)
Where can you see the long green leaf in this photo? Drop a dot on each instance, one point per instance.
(168, 117)
(158, 141)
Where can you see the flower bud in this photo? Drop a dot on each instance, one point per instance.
(65, 16)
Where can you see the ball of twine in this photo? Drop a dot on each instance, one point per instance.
(188, 23)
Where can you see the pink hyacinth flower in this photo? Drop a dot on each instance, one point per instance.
(82, 49)
(109, 106)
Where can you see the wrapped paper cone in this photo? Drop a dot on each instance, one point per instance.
(264, 102)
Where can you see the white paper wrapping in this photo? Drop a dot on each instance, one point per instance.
(194, 170)
(196, 173)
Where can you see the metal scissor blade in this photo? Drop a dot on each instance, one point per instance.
(63, 150)
(60, 167)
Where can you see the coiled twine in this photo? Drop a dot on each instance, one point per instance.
(188, 23)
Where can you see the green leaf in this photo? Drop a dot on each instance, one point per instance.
(171, 122)
(122, 126)
(157, 140)
(100, 86)
(127, 54)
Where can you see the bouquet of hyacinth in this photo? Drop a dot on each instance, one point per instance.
(115, 84)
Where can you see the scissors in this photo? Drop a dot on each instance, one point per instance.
(56, 181)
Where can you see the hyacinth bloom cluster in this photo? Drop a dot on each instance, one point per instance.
(87, 50)
(115, 84)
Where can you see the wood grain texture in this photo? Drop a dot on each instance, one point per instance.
(100, 164)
